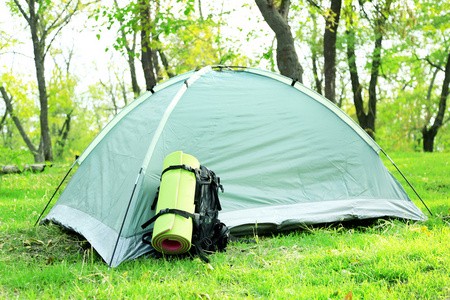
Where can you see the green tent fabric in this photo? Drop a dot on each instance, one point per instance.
(286, 156)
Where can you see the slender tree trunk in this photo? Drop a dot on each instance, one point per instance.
(112, 93)
(123, 89)
(317, 80)
(430, 133)
(315, 55)
(64, 134)
(277, 19)
(329, 49)
(43, 26)
(37, 153)
(367, 120)
(146, 50)
(354, 78)
(132, 65)
(156, 65)
(39, 58)
(372, 107)
(3, 120)
(165, 63)
(200, 10)
(131, 53)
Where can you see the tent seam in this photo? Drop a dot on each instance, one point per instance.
(162, 123)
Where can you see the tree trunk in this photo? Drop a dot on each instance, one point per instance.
(430, 133)
(315, 55)
(37, 153)
(276, 18)
(2, 122)
(130, 56)
(372, 107)
(354, 78)
(42, 24)
(39, 57)
(317, 80)
(156, 67)
(64, 134)
(428, 139)
(329, 49)
(367, 120)
(131, 64)
(146, 50)
(165, 63)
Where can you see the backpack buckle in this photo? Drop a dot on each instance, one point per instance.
(164, 211)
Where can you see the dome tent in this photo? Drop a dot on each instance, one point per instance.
(286, 156)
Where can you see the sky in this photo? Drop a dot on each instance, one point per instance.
(91, 63)
(90, 60)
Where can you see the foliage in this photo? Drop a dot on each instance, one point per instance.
(199, 44)
(22, 91)
(414, 65)
(386, 259)
(192, 40)
(18, 157)
(64, 101)
(187, 38)
(196, 33)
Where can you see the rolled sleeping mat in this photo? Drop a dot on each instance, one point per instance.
(172, 234)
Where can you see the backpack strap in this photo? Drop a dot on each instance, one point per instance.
(176, 167)
(155, 201)
(206, 176)
(169, 168)
(147, 238)
(174, 211)
(200, 252)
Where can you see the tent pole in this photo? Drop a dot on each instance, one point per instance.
(125, 217)
(407, 181)
(51, 198)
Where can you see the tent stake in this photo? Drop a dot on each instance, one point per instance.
(125, 217)
(407, 181)
(57, 189)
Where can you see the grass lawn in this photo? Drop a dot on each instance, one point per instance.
(386, 260)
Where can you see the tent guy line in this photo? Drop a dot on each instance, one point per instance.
(407, 181)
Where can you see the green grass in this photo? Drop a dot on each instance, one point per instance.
(386, 260)
(429, 173)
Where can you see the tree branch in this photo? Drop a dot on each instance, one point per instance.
(24, 14)
(314, 4)
(287, 59)
(284, 8)
(444, 95)
(430, 87)
(428, 60)
(3, 119)
(8, 101)
(59, 25)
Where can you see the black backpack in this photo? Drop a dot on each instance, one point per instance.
(209, 234)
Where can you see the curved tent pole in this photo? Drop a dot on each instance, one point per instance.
(407, 181)
(143, 97)
(54, 193)
(158, 131)
(125, 217)
(190, 80)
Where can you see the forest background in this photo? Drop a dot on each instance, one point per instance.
(68, 66)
